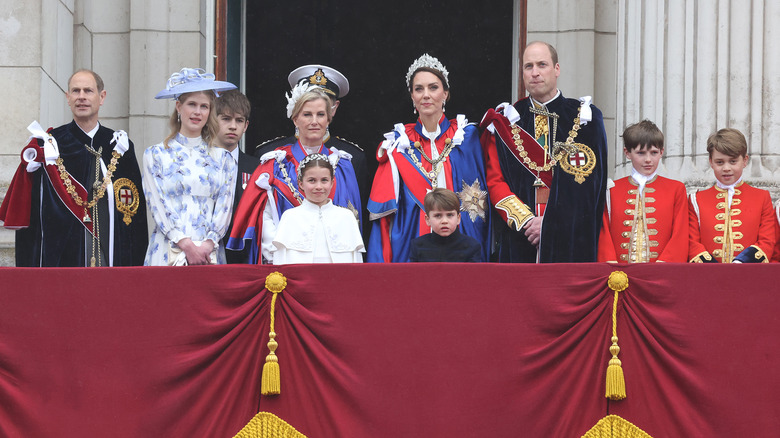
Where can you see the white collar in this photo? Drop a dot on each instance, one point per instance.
(729, 187)
(234, 154)
(431, 135)
(642, 179)
(92, 132)
(558, 93)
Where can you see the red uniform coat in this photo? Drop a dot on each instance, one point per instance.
(663, 210)
(717, 229)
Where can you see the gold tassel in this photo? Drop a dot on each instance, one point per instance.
(616, 384)
(271, 382)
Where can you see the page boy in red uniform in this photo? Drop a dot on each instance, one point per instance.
(646, 215)
(731, 222)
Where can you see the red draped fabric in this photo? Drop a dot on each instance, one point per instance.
(438, 350)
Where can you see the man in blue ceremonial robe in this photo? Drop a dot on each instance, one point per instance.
(546, 168)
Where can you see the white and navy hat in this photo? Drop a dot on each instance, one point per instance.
(329, 79)
(190, 80)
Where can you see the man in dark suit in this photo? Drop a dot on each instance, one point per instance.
(233, 110)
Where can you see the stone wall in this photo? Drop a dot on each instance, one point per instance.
(133, 44)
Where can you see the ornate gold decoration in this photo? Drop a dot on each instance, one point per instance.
(275, 283)
(435, 164)
(524, 155)
(616, 384)
(616, 427)
(473, 200)
(517, 213)
(318, 78)
(268, 425)
(101, 189)
(126, 198)
(580, 172)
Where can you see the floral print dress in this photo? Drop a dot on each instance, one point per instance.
(189, 192)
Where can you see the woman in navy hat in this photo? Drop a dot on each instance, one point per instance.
(418, 157)
(188, 183)
(274, 188)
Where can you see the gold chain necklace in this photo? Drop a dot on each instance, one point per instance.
(65, 177)
(434, 173)
(561, 147)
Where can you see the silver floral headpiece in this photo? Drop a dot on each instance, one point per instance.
(296, 93)
(308, 159)
(427, 61)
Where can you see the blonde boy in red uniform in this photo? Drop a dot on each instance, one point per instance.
(731, 222)
(646, 215)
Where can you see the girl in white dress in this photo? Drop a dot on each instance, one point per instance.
(188, 183)
(317, 231)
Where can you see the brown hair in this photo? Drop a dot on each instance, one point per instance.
(316, 160)
(313, 94)
(553, 52)
(441, 199)
(98, 79)
(209, 130)
(641, 135)
(727, 141)
(233, 103)
(436, 73)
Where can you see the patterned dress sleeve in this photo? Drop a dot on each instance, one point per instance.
(223, 196)
(159, 189)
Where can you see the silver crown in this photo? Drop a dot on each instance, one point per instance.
(309, 158)
(427, 61)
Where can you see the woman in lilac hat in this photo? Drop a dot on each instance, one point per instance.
(189, 184)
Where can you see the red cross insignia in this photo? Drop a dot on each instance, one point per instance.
(127, 198)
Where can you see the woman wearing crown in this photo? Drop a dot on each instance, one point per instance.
(274, 185)
(418, 157)
(188, 183)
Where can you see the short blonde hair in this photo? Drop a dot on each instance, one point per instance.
(311, 95)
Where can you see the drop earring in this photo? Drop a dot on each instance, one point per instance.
(443, 105)
(414, 107)
(297, 132)
(178, 117)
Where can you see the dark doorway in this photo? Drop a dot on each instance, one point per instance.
(373, 44)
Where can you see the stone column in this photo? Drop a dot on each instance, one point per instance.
(165, 36)
(695, 67)
(584, 34)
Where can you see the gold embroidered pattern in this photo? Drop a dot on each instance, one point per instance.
(517, 213)
(126, 198)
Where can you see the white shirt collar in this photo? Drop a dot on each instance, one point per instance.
(642, 179)
(234, 154)
(729, 187)
(558, 93)
(92, 132)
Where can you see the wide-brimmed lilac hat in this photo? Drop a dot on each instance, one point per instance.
(190, 80)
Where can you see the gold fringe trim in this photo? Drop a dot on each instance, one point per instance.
(271, 382)
(613, 426)
(616, 384)
(268, 425)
